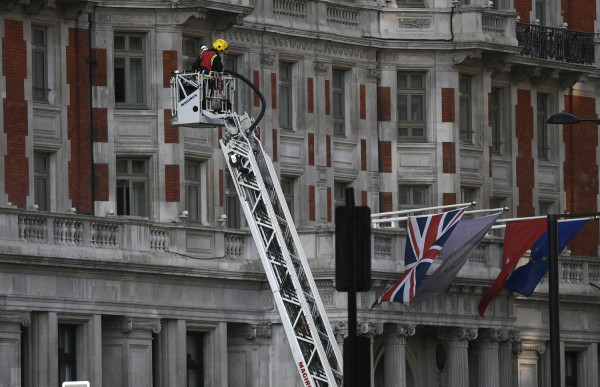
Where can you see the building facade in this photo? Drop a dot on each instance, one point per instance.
(124, 256)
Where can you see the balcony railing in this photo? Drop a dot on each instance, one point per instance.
(557, 44)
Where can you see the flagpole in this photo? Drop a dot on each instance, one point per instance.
(375, 222)
(380, 214)
(499, 226)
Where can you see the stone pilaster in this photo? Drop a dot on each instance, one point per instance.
(395, 353)
(171, 343)
(10, 346)
(458, 361)
(488, 361)
(43, 349)
(508, 343)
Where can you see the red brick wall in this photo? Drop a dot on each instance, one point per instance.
(172, 132)
(579, 14)
(449, 157)
(310, 95)
(256, 81)
(385, 156)
(523, 8)
(311, 202)
(101, 182)
(328, 150)
(311, 149)
(172, 183)
(274, 155)
(363, 102)
(448, 105)
(363, 195)
(16, 164)
(385, 201)
(99, 68)
(169, 65)
(384, 108)
(327, 97)
(525, 165)
(78, 121)
(581, 171)
(363, 154)
(273, 91)
(449, 198)
(100, 125)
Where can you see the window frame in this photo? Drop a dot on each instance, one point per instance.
(233, 208)
(68, 359)
(45, 175)
(44, 49)
(128, 54)
(132, 178)
(188, 59)
(191, 337)
(200, 181)
(338, 93)
(411, 190)
(288, 186)
(286, 118)
(465, 109)
(499, 127)
(409, 92)
(543, 134)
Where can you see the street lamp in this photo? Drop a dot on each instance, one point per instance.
(553, 275)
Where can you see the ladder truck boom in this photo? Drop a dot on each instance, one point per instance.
(206, 100)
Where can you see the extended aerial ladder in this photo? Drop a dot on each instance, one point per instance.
(207, 100)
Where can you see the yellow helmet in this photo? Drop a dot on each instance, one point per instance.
(220, 45)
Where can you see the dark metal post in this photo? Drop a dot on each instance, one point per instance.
(553, 278)
(351, 296)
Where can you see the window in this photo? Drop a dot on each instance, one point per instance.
(411, 106)
(547, 207)
(339, 193)
(287, 186)
(67, 370)
(195, 359)
(468, 195)
(129, 69)
(543, 138)
(232, 204)
(464, 109)
(540, 11)
(39, 46)
(498, 125)
(571, 368)
(132, 187)
(410, 197)
(339, 105)
(195, 172)
(190, 49)
(41, 175)
(285, 95)
(409, 3)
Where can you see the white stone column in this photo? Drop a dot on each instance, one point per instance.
(395, 356)
(171, 342)
(43, 349)
(488, 361)
(508, 346)
(127, 351)
(10, 347)
(457, 365)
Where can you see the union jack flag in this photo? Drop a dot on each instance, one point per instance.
(425, 237)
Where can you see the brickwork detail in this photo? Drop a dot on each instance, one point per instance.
(100, 124)
(101, 186)
(363, 154)
(363, 102)
(384, 108)
(78, 121)
(310, 95)
(172, 180)
(363, 195)
(581, 171)
(448, 105)
(169, 64)
(525, 166)
(171, 132)
(579, 14)
(523, 8)
(385, 202)
(449, 198)
(311, 149)
(385, 156)
(16, 164)
(99, 68)
(449, 157)
(328, 150)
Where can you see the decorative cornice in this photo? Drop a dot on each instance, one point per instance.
(129, 324)
(16, 318)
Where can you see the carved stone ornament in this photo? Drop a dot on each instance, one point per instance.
(373, 74)
(16, 318)
(321, 67)
(414, 22)
(267, 60)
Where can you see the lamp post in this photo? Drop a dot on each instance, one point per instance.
(553, 274)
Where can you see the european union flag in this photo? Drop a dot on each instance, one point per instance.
(525, 278)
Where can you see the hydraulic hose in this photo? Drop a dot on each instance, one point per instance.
(257, 91)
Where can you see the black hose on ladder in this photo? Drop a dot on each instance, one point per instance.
(257, 91)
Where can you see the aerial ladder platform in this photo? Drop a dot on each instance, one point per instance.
(207, 100)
